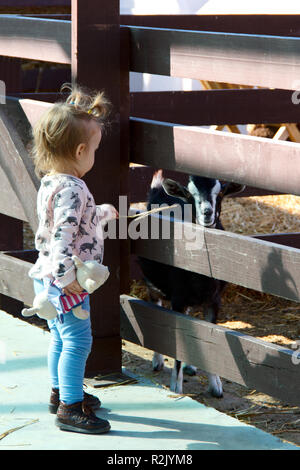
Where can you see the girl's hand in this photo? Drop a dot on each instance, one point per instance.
(108, 212)
(72, 288)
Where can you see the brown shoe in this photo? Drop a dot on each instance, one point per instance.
(90, 400)
(80, 418)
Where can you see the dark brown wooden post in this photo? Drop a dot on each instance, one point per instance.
(11, 229)
(96, 64)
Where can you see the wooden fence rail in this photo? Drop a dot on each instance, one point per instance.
(18, 169)
(246, 261)
(249, 160)
(34, 38)
(14, 279)
(194, 108)
(277, 25)
(267, 61)
(237, 357)
(257, 60)
(206, 107)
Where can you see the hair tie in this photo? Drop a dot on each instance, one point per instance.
(90, 111)
(72, 102)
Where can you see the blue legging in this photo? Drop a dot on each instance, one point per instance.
(69, 348)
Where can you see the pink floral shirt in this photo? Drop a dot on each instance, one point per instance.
(69, 224)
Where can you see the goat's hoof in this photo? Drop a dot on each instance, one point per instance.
(157, 362)
(189, 370)
(157, 367)
(215, 387)
(215, 393)
(176, 388)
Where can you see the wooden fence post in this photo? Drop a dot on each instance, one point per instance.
(96, 64)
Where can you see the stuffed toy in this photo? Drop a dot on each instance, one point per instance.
(51, 302)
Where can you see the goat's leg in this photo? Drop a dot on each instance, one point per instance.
(177, 372)
(177, 377)
(188, 368)
(157, 359)
(215, 385)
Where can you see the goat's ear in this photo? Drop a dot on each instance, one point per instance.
(175, 189)
(232, 188)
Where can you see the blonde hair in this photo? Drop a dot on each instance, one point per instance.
(62, 128)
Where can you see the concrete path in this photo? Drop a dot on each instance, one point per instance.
(143, 416)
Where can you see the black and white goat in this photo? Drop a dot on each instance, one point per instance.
(186, 289)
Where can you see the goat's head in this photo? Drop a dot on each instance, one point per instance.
(204, 195)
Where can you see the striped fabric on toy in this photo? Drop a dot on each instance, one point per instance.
(70, 301)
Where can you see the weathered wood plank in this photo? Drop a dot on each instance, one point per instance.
(14, 280)
(23, 113)
(32, 109)
(17, 114)
(9, 203)
(243, 359)
(286, 239)
(246, 261)
(268, 61)
(278, 25)
(253, 161)
(217, 106)
(34, 38)
(18, 168)
(206, 107)
(11, 236)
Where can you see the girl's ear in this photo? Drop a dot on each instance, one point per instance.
(80, 149)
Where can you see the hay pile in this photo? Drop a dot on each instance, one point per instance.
(262, 214)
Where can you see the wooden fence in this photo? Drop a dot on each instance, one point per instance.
(153, 129)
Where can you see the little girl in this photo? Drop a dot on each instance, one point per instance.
(64, 143)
